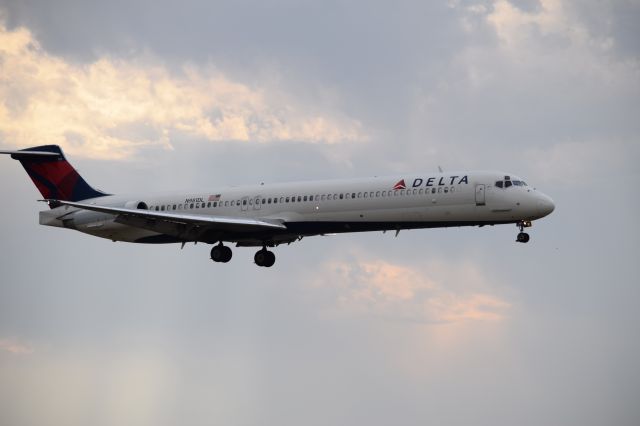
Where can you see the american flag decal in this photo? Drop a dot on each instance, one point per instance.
(214, 197)
(400, 185)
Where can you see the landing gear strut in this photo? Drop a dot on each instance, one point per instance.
(264, 258)
(221, 253)
(523, 237)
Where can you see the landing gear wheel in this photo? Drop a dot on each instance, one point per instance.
(221, 253)
(271, 259)
(264, 258)
(523, 237)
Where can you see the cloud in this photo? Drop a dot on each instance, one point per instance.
(532, 80)
(571, 164)
(14, 347)
(111, 107)
(438, 292)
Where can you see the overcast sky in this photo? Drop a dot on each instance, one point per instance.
(450, 326)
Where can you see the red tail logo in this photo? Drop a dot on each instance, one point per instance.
(400, 185)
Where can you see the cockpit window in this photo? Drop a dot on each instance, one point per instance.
(507, 183)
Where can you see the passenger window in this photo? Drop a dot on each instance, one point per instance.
(281, 199)
(433, 190)
(191, 205)
(359, 194)
(446, 190)
(452, 188)
(305, 198)
(215, 204)
(440, 190)
(244, 202)
(366, 194)
(162, 208)
(299, 198)
(157, 208)
(341, 196)
(421, 191)
(174, 207)
(250, 202)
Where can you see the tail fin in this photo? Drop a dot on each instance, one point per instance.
(54, 177)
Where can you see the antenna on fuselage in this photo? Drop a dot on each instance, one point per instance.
(440, 169)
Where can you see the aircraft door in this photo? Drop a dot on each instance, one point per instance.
(257, 203)
(480, 196)
(244, 203)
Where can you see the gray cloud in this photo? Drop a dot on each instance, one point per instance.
(154, 335)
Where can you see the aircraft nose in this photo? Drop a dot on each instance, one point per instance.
(545, 205)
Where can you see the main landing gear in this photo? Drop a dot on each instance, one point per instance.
(264, 258)
(523, 237)
(221, 253)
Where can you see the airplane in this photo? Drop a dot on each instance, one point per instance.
(267, 215)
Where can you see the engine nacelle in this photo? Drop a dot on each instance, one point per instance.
(139, 205)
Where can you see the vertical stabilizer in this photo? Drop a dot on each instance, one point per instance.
(52, 174)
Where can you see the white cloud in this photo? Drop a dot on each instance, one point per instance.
(437, 292)
(110, 107)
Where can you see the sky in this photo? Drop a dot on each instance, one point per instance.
(450, 326)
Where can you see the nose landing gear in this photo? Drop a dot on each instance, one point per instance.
(523, 237)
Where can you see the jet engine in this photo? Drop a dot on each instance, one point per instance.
(140, 205)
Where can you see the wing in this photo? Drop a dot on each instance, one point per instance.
(183, 226)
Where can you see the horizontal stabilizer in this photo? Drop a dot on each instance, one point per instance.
(15, 154)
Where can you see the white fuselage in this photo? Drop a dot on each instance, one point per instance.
(318, 207)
